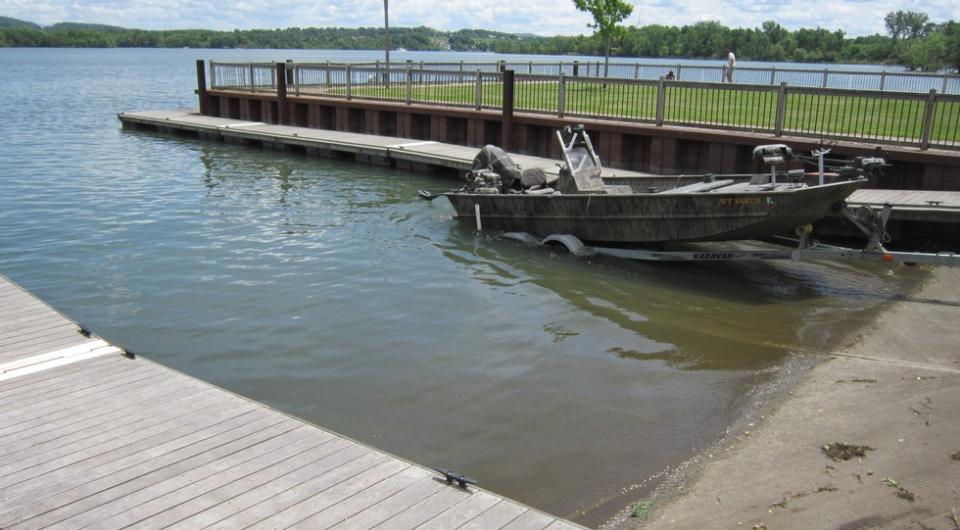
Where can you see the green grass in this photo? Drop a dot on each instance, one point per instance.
(830, 116)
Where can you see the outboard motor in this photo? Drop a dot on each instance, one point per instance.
(493, 171)
(869, 167)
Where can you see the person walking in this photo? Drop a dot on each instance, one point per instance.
(731, 63)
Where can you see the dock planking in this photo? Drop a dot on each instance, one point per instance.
(909, 205)
(405, 151)
(90, 438)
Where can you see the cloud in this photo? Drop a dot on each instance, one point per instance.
(542, 17)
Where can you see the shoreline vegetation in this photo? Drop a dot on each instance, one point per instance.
(912, 41)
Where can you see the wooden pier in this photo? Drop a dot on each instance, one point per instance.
(909, 205)
(93, 437)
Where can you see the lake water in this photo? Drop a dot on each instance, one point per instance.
(327, 290)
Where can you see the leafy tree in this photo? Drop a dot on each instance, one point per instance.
(907, 24)
(928, 54)
(951, 34)
(607, 15)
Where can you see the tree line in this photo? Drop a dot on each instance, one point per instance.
(911, 40)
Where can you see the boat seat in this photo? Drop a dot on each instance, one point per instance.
(700, 187)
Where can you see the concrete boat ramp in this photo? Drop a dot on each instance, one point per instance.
(92, 437)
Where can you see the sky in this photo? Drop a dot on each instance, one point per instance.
(542, 17)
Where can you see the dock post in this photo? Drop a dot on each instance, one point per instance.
(506, 122)
(281, 93)
(928, 119)
(781, 110)
(202, 87)
(576, 68)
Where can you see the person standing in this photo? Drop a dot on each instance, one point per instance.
(731, 63)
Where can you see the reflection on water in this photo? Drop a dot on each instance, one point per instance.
(328, 290)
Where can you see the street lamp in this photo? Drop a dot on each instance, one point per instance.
(386, 41)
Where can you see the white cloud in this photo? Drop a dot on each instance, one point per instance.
(543, 17)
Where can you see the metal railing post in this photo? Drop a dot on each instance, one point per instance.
(461, 67)
(928, 120)
(478, 90)
(408, 89)
(636, 71)
(506, 123)
(679, 69)
(420, 75)
(661, 100)
(825, 74)
(349, 82)
(943, 87)
(773, 75)
(561, 93)
(530, 67)
(883, 79)
(576, 68)
(781, 110)
(253, 87)
(328, 82)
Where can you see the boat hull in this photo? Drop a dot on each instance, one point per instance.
(656, 217)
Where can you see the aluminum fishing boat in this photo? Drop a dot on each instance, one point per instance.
(501, 196)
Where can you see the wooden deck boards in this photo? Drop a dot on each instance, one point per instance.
(388, 147)
(99, 440)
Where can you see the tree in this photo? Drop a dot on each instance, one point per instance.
(607, 15)
(951, 33)
(928, 54)
(907, 24)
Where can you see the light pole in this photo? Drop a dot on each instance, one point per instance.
(386, 42)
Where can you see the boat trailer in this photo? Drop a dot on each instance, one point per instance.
(870, 221)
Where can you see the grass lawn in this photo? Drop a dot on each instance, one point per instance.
(834, 115)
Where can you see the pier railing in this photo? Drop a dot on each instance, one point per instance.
(881, 117)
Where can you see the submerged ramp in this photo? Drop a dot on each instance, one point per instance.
(93, 437)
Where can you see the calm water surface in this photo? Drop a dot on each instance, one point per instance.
(327, 290)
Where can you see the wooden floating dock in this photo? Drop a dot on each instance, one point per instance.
(93, 437)
(909, 205)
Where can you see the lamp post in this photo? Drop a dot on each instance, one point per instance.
(386, 42)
